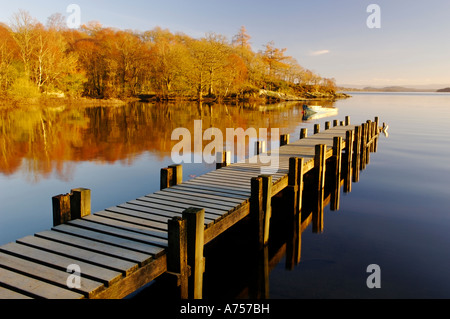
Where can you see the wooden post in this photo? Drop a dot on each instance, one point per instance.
(195, 225)
(347, 120)
(363, 146)
(177, 253)
(377, 132)
(349, 136)
(166, 177)
(319, 166)
(61, 209)
(303, 133)
(80, 203)
(177, 174)
(263, 272)
(335, 123)
(223, 159)
(327, 125)
(341, 123)
(256, 210)
(368, 139)
(293, 191)
(284, 139)
(260, 147)
(316, 128)
(261, 207)
(337, 159)
(356, 154)
(267, 204)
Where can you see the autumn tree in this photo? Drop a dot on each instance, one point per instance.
(8, 51)
(169, 62)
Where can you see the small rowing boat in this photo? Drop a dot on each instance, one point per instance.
(314, 112)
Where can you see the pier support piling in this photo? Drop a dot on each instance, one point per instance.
(349, 137)
(284, 139)
(294, 193)
(319, 166)
(223, 159)
(195, 226)
(171, 176)
(177, 254)
(303, 133)
(75, 205)
(337, 161)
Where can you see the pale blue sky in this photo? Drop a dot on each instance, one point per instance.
(410, 48)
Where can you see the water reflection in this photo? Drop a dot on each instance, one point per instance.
(43, 140)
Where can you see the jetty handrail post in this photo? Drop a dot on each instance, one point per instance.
(316, 128)
(195, 226)
(177, 254)
(335, 123)
(337, 161)
(284, 139)
(260, 147)
(349, 136)
(223, 159)
(347, 120)
(294, 193)
(319, 166)
(261, 208)
(256, 210)
(377, 133)
(369, 140)
(74, 205)
(327, 125)
(303, 133)
(363, 146)
(61, 209)
(80, 202)
(356, 154)
(267, 204)
(171, 176)
(177, 174)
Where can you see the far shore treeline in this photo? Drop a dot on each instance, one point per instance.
(92, 61)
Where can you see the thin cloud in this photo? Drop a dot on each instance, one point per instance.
(320, 52)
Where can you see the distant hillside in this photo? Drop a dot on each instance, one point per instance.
(444, 90)
(395, 89)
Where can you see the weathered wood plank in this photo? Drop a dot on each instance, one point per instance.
(155, 244)
(138, 228)
(11, 294)
(98, 254)
(133, 218)
(206, 196)
(164, 210)
(192, 200)
(166, 204)
(54, 276)
(108, 239)
(208, 190)
(100, 274)
(34, 287)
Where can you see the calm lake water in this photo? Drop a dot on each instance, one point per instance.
(396, 216)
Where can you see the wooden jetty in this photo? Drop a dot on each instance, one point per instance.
(114, 252)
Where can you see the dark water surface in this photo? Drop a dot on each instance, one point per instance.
(396, 216)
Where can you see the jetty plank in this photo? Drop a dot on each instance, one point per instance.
(100, 274)
(36, 288)
(110, 259)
